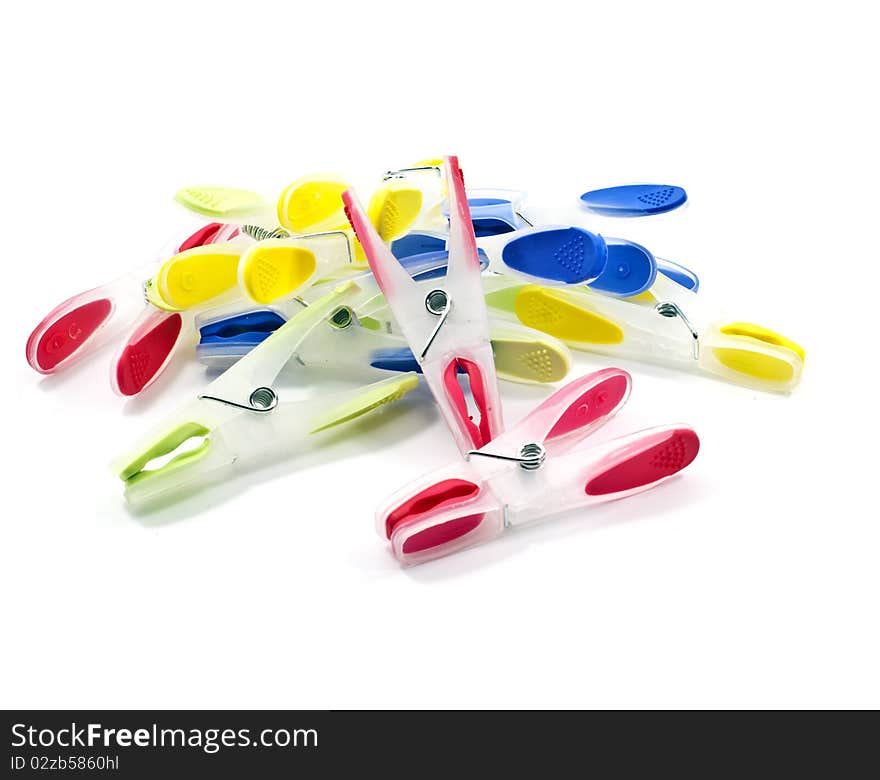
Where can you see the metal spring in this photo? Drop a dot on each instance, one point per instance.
(532, 456)
(400, 173)
(263, 399)
(343, 317)
(669, 309)
(259, 233)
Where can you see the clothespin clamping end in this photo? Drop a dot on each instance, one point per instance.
(127, 308)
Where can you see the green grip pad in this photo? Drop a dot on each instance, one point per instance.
(371, 398)
(221, 203)
(134, 470)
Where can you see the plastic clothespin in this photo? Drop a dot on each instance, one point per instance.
(239, 419)
(448, 328)
(81, 325)
(364, 335)
(537, 469)
(670, 325)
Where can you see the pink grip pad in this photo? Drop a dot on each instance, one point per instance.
(204, 235)
(598, 401)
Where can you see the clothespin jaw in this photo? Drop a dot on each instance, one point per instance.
(447, 329)
(537, 469)
(240, 419)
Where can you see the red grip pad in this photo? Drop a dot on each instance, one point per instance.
(654, 463)
(441, 534)
(446, 493)
(67, 334)
(141, 360)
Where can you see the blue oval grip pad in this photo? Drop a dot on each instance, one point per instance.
(249, 328)
(635, 200)
(569, 255)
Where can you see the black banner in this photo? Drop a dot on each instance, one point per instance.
(260, 744)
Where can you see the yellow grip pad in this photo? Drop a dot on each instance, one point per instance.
(755, 363)
(313, 204)
(199, 274)
(547, 310)
(393, 209)
(271, 270)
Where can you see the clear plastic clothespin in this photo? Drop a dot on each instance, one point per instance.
(669, 324)
(239, 420)
(539, 468)
(447, 328)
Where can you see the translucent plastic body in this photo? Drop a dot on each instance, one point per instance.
(475, 501)
(651, 328)
(239, 420)
(448, 329)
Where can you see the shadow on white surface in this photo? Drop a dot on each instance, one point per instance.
(97, 362)
(683, 490)
(370, 433)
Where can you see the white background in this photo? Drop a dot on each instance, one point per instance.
(751, 580)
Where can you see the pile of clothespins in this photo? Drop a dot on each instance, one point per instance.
(428, 280)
